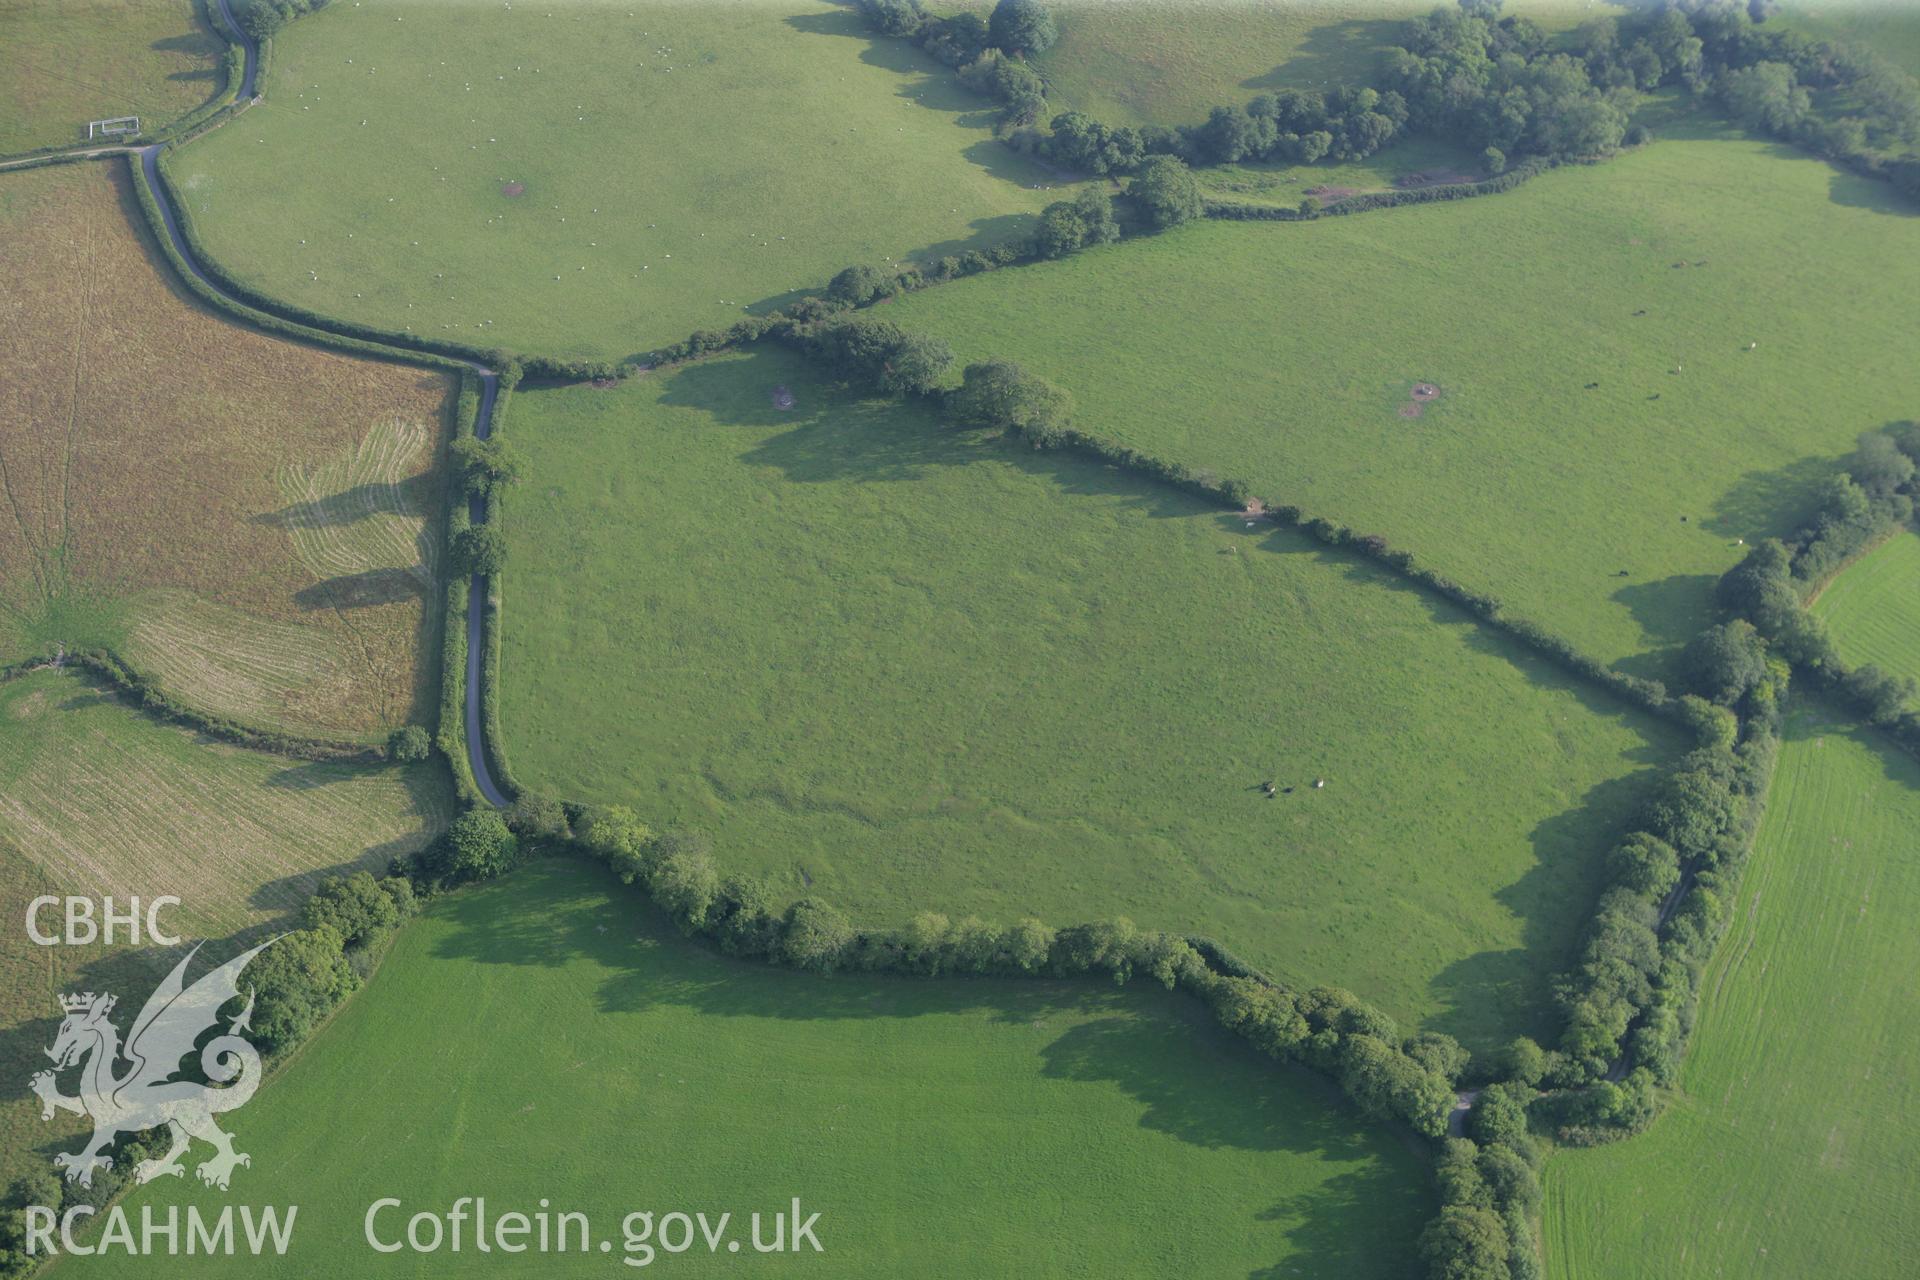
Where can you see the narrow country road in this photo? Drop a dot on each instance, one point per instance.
(482, 423)
(482, 427)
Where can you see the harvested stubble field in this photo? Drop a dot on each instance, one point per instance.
(97, 799)
(1031, 1128)
(1872, 607)
(905, 669)
(1789, 1151)
(249, 520)
(593, 179)
(71, 61)
(1280, 353)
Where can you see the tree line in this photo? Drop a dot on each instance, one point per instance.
(1873, 495)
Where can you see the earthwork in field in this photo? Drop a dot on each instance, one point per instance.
(906, 669)
(1785, 1153)
(1279, 352)
(372, 186)
(892, 1106)
(250, 521)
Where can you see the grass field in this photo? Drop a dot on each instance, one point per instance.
(251, 521)
(674, 166)
(907, 670)
(1288, 184)
(1002, 1128)
(1891, 28)
(1171, 61)
(1283, 353)
(97, 799)
(1790, 1152)
(1872, 607)
(72, 61)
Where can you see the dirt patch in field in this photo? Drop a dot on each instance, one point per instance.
(513, 190)
(1327, 195)
(1419, 396)
(782, 397)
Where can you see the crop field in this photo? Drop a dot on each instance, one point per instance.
(98, 799)
(81, 60)
(1594, 465)
(1872, 607)
(250, 521)
(1032, 1127)
(590, 182)
(1789, 1152)
(1171, 61)
(903, 669)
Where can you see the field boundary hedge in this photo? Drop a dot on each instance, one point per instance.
(146, 695)
(449, 734)
(492, 740)
(1237, 211)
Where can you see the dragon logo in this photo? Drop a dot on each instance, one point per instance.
(147, 1096)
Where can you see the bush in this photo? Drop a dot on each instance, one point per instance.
(1166, 191)
(360, 909)
(486, 465)
(409, 744)
(296, 982)
(480, 549)
(1022, 26)
(1499, 1115)
(1645, 864)
(477, 846)
(1724, 663)
(815, 936)
(1465, 1243)
(857, 285)
(999, 394)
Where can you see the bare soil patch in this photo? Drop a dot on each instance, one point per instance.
(1327, 195)
(513, 190)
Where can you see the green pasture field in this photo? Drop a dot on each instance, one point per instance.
(1789, 1151)
(905, 669)
(1891, 28)
(97, 799)
(1287, 184)
(549, 1039)
(1169, 62)
(1284, 353)
(1872, 607)
(677, 166)
(71, 61)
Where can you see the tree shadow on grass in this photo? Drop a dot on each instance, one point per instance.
(1553, 898)
(367, 589)
(1770, 503)
(1338, 53)
(1194, 1082)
